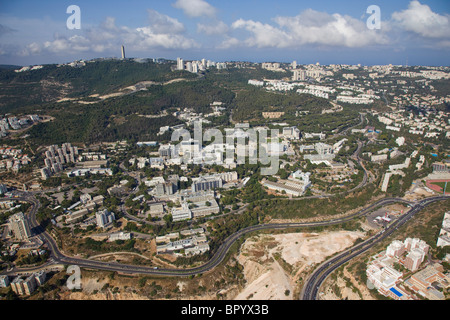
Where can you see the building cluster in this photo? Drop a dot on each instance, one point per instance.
(29, 68)
(426, 124)
(295, 185)
(196, 201)
(324, 153)
(310, 72)
(276, 66)
(86, 163)
(384, 271)
(13, 159)
(213, 181)
(14, 123)
(354, 83)
(272, 115)
(194, 242)
(193, 152)
(199, 66)
(397, 169)
(79, 210)
(195, 205)
(24, 285)
(56, 157)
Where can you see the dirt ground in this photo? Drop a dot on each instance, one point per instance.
(354, 291)
(274, 265)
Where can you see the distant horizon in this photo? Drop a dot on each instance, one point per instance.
(228, 61)
(366, 32)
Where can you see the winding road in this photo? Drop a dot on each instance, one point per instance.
(311, 287)
(312, 284)
(58, 257)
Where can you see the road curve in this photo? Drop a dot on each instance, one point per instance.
(311, 288)
(59, 258)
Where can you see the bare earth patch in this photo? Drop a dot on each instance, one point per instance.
(273, 264)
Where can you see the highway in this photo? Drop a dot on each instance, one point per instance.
(311, 287)
(57, 257)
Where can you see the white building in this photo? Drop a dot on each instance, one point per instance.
(119, 236)
(395, 249)
(444, 235)
(183, 213)
(20, 226)
(180, 64)
(104, 218)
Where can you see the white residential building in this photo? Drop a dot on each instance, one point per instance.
(104, 218)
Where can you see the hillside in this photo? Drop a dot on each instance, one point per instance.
(52, 83)
(109, 100)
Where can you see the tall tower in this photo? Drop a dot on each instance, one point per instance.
(180, 64)
(20, 227)
(123, 52)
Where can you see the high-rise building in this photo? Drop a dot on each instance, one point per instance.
(180, 64)
(22, 286)
(40, 277)
(395, 249)
(104, 218)
(299, 75)
(123, 51)
(17, 286)
(194, 67)
(414, 259)
(19, 225)
(189, 66)
(29, 285)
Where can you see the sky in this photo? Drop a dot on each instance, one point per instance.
(399, 32)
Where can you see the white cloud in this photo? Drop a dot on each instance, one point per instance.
(311, 27)
(215, 28)
(264, 35)
(195, 8)
(229, 43)
(162, 32)
(420, 19)
(31, 49)
(162, 24)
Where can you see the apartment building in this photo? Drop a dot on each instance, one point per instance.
(20, 226)
(4, 281)
(414, 259)
(104, 218)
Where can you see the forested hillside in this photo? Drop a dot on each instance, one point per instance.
(91, 119)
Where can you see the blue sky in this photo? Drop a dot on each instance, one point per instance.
(325, 31)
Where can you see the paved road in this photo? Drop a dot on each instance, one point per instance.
(59, 257)
(313, 283)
